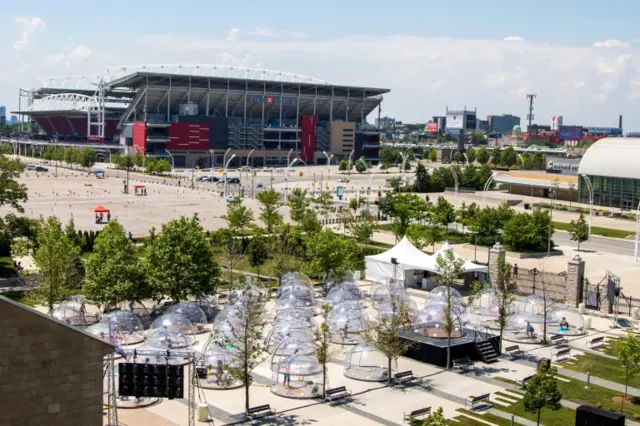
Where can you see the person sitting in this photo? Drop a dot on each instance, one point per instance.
(564, 324)
(530, 330)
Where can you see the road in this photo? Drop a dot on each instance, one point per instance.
(597, 244)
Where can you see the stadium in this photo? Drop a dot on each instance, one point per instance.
(194, 114)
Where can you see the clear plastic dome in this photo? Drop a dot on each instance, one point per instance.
(345, 308)
(119, 328)
(249, 291)
(290, 301)
(302, 316)
(295, 345)
(229, 330)
(172, 322)
(297, 277)
(73, 313)
(364, 362)
(347, 284)
(340, 294)
(163, 340)
(517, 328)
(208, 305)
(193, 313)
(297, 291)
(440, 292)
(388, 309)
(213, 367)
(535, 304)
(567, 321)
(435, 311)
(297, 376)
(385, 292)
(282, 331)
(345, 327)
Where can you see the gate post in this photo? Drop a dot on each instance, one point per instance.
(575, 280)
(495, 252)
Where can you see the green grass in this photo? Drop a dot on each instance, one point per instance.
(6, 267)
(596, 230)
(491, 418)
(17, 296)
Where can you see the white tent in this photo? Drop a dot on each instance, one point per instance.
(379, 267)
(467, 266)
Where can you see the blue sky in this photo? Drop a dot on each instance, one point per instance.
(580, 57)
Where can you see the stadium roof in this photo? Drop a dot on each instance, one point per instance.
(612, 157)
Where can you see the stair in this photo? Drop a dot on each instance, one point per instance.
(487, 351)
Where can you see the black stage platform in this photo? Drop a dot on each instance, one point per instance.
(434, 350)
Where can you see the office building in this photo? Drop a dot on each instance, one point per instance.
(503, 123)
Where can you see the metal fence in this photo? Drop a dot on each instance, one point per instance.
(532, 281)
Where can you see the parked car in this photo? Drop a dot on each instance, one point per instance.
(232, 181)
(231, 198)
(41, 169)
(30, 167)
(344, 180)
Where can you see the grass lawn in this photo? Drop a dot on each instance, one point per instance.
(6, 267)
(17, 296)
(596, 230)
(491, 418)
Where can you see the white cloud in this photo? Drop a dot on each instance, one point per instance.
(79, 54)
(29, 27)
(233, 34)
(513, 38)
(612, 43)
(270, 32)
(4, 76)
(264, 31)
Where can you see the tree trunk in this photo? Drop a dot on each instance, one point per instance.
(500, 343)
(626, 384)
(389, 369)
(324, 381)
(539, 411)
(448, 349)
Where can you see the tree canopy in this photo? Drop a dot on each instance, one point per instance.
(269, 214)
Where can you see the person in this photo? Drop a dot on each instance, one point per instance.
(219, 371)
(345, 332)
(287, 374)
(530, 330)
(515, 270)
(564, 324)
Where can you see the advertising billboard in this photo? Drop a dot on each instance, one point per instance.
(605, 131)
(570, 133)
(455, 121)
(431, 127)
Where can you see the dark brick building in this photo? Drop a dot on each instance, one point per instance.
(50, 373)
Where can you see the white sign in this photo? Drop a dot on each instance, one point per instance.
(455, 121)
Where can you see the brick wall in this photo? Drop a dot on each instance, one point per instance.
(50, 374)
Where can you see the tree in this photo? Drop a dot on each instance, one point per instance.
(444, 212)
(113, 270)
(309, 223)
(180, 261)
(627, 351)
(508, 157)
(239, 217)
(361, 227)
(471, 155)
(579, 230)
(478, 137)
(403, 208)
(55, 257)
(361, 165)
(542, 391)
(298, 204)
(482, 156)
(421, 236)
(435, 418)
(538, 161)
(356, 203)
(450, 269)
(327, 251)
(70, 231)
(248, 306)
(258, 252)
(323, 346)
(12, 193)
(496, 155)
(87, 157)
(421, 184)
(466, 214)
(323, 204)
(284, 248)
(384, 335)
(504, 294)
(528, 232)
(433, 155)
(457, 157)
(269, 214)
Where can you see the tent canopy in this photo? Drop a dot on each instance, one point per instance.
(467, 266)
(379, 266)
(101, 209)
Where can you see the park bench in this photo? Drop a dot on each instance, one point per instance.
(513, 351)
(523, 382)
(478, 401)
(558, 339)
(563, 354)
(462, 364)
(416, 414)
(336, 394)
(404, 377)
(596, 342)
(260, 412)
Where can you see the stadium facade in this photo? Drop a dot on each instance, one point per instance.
(194, 114)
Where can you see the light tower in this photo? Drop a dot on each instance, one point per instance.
(530, 116)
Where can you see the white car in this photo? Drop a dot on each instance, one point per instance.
(231, 198)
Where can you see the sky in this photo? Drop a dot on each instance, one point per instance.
(581, 58)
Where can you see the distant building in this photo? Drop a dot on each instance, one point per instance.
(503, 123)
(483, 126)
(461, 120)
(14, 119)
(385, 122)
(3, 115)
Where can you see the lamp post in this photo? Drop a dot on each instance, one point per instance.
(635, 255)
(224, 159)
(553, 194)
(211, 160)
(329, 158)
(349, 164)
(590, 188)
(369, 189)
(248, 157)
(455, 181)
(286, 179)
(173, 161)
(224, 173)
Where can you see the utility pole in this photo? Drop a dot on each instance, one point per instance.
(530, 116)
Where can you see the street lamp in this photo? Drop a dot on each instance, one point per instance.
(248, 157)
(455, 181)
(286, 179)
(329, 158)
(553, 195)
(350, 159)
(224, 173)
(173, 161)
(590, 188)
(369, 189)
(635, 255)
(224, 159)
(211, 151)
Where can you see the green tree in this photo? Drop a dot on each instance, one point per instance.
(389, 156)
(421, 183)
(55, 257)
(528, 232)
(445, 212)
(482, 156)
(450, 269)
(360, 227)
(323, 346)
(361, 165)
(327, 251)
(508, 157)
(435, 418)
(248, 306)
(239, 217)
(70, 231)
(113, 271)
(323, 204)
(343, 165)
(466, 214)
(478, 137)
(420, 236)
(457, 157)
(538, 161)
(504, 294)
(384, 335)
(258, 252)
(309, 223)
(433, 155)
(542, 392)
(12, 193)
(269, 215)
(627, 351)
(496, 155)
(180, 261)
(298, 204)
(527, 161)
(579, 230)
(471, 155)
(403, 208)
